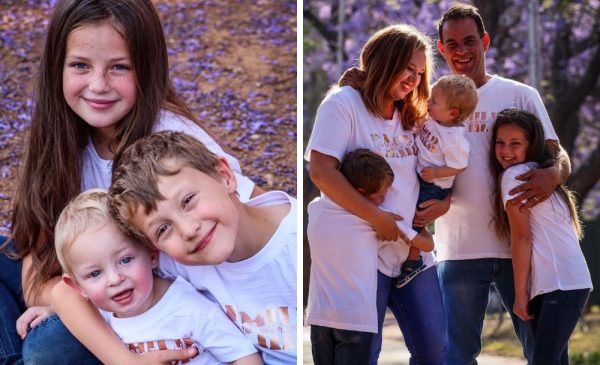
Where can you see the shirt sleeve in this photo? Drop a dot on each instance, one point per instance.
(456, 154)
(509, 181)
(333, 128)
(535, 105)
(217, 334)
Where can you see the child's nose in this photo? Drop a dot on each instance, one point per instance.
(99, 82)
(114, 277)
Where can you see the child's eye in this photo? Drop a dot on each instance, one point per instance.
(161, 230)
(126, 259)
(187, 200)
(78, 65)
(121, 68)
(94, 274)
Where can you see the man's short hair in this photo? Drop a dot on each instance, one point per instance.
(88, 210)
(137, 169)
(461, 11)
(366, 170)
(460, 92)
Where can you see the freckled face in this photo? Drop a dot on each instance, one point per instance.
(511, 145)
(99, 84)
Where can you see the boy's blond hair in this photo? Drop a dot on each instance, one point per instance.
(88, 210)
(460, 92)
(136, 172)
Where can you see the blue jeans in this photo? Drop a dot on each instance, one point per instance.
(419, 312)
(11, 307)
(48, 343)
(336, 346)
(465, 289)
(555, 316)
(428, 191)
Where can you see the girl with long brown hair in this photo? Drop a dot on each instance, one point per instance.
(103, 84)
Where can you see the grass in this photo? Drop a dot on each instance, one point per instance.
(584, 345)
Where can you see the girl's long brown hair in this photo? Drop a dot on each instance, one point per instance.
(52, 172)
(383, 57)
(537, 152)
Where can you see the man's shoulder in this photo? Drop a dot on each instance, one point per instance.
(516, 86)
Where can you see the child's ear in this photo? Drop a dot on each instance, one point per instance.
(153, 257)
(73, 284)
(454, 112)
(227, 175)
(361, 190)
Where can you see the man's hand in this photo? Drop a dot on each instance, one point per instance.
(430, 211)
(32, 317)
(539, 185)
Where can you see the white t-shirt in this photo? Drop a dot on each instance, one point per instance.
(343, 274)
(557, 262)
(97, 172)
(259, 293)
(441, 146)
(343, 124)
(181, 315)
(465, 232)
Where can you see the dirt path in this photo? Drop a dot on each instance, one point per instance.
(234, 63)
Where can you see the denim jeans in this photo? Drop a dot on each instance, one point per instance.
(465, 289)
(11, 307)
(336, 346)
(555, 316)
(419, 312)
(48, 343)
(428, 191)
(51, 343)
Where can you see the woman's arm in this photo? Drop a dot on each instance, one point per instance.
(325, 175)
(431, 210)
(43, 299)
(521, 245)
(80, 315)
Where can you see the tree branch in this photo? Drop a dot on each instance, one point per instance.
(586, 176)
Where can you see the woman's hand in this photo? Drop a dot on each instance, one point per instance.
(32, 317)
(539, 185)
(430, 211)
(520, 307)
(386, 228)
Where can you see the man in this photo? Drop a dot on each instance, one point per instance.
(471, 256)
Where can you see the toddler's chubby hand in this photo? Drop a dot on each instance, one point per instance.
(32, 317)
(428, 174)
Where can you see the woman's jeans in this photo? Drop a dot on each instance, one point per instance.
(419, 312)
(555, 316)
(49, 343)
(465, 288)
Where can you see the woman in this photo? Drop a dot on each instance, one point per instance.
(375, 106)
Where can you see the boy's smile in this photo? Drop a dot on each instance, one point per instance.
(197, 222)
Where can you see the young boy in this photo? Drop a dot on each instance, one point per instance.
(169, 191)
(443, 150)
(343, 274)
(115, 272)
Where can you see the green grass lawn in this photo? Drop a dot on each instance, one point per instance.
(584, 346)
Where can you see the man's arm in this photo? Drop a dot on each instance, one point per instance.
(541, 183)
